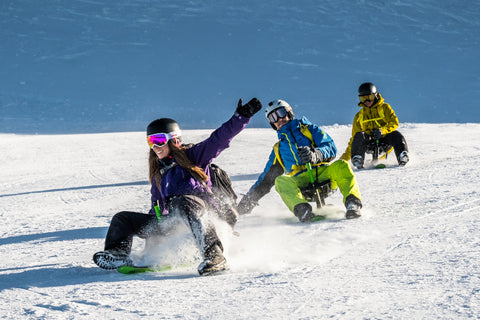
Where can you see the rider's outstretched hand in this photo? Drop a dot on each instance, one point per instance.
(250, 108)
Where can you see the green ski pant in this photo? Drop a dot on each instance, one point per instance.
(339, 172)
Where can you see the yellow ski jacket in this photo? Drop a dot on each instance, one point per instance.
(379, 116)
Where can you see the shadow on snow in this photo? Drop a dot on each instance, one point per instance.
(44, 276)
(113, 185)
(66, 235)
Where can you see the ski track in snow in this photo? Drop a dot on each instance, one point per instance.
(413, 254)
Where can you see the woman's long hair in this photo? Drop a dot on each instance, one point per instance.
(178, 153)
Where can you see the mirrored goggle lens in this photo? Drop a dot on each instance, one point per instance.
(369, 97)
(159, 139)
(276, 114)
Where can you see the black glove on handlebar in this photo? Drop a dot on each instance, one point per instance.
(309, 154)
(377, 134)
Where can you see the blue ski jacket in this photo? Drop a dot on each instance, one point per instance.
(292, 135)
(179, 181)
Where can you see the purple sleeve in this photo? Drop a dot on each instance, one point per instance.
(204, 152)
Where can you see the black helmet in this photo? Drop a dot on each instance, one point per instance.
(366, 89)
(163, 125)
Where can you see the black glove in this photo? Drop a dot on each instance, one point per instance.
(246, 205)
(249, 109)
(309, 154)
(376, 134)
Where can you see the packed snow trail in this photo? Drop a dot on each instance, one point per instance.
(412, 254)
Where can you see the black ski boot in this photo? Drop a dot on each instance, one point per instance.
(353, 205)
(112, 259)
(357, 161)
(304, 212)
(403, 158)
(214, 261)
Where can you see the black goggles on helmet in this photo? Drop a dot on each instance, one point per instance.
(367, 97)
(276, 114)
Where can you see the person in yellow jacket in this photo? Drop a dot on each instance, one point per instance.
(376, 121)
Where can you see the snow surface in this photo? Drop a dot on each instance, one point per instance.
(96, 72)
(414, 254)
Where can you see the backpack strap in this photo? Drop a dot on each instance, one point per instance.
(278, 158)
(166, 168)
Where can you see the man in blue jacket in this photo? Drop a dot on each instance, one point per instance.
(301, 142)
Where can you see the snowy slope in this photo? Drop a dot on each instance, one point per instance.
(413, 254)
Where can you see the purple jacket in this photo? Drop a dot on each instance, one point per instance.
(178, 181)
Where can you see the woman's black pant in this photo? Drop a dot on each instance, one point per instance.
(361, 141)
(191, 209)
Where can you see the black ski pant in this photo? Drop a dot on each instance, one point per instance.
(362, 141)
(191, 209)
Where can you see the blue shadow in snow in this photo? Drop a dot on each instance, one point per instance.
(137, 183)
(244, 177)
(54, 275)
(66, 235)
(45, 276)
(114, 185)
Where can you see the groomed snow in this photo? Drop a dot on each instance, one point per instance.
(413, 254)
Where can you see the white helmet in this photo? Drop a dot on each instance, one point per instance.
(276, 104)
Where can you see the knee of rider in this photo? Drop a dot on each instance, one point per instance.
(179, 202)
(281, 181)
(339, 164)
(278, 180)
(359, 134)
(120, 215)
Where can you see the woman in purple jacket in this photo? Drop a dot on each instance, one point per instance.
(181, 188)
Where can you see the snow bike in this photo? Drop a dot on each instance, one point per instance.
(316, 191)
(378, 150)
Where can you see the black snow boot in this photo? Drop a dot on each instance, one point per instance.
(403, 158)
(353, 205)
(112, 259)
(214, 261)
(304, 212)
(357, 161)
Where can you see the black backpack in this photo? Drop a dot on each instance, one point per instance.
(224, 194)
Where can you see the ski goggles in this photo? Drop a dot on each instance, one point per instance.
(276, 114)
(160, 139)
(368, 97)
